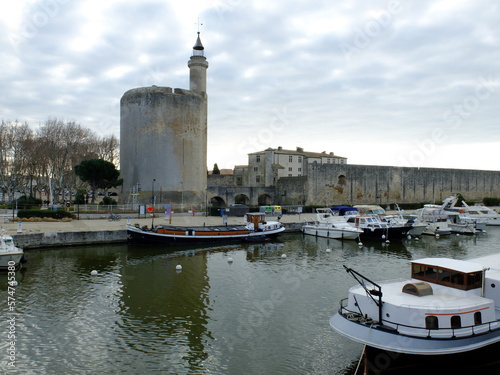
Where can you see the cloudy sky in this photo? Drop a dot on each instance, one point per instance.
(396, 82)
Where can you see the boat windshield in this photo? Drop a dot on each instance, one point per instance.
(375, 212)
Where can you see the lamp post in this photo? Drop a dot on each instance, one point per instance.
(182, 196)
(153, 193)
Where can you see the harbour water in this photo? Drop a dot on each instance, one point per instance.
(235, 309)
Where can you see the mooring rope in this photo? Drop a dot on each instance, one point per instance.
(364, 348)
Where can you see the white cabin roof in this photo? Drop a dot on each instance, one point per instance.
(491, 261)
(452, 264)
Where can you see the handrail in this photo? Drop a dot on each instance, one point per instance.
(344, 311)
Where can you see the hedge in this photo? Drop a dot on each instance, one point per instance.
(43, 213)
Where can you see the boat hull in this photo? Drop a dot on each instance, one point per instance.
(417, 230)
(392, 233)
(440, 229)
(6, 260)
(334, 233)
(190, 235)
(389, 340)
(482, 361)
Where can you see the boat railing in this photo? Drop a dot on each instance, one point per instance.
(414, 331)
(443, 333)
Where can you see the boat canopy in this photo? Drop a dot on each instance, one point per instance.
(343, 209)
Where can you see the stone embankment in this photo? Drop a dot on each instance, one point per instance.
(34, 235)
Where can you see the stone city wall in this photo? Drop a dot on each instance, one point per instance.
(357, 184)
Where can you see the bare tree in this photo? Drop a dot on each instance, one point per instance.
(44, 160)
(107, 148)
(15, 138)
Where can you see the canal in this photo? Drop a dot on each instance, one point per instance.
(260, 308)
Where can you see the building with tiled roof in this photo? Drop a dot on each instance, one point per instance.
(266, 167)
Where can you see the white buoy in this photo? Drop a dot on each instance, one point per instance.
(417, 239)
(408, 237)
(328, 250)
(178, 267)
(437, 235)
(94, 273)
(383, 236)
(230, 260)
(387, 241)
(283, 255)
(360, 243)
(13, 283)
(458, 234)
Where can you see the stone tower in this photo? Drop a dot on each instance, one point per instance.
(198, 68)
(163, 140)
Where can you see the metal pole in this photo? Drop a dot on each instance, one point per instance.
(153, 193)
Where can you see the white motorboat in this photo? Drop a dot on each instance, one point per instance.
(462, 216)
(483, 213)
(331, 225)
(447, 306)
(442, 222)
(10, 255)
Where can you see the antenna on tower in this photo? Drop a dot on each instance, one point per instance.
(199, 24)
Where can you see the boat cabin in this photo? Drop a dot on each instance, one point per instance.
(453, 273)
(255, 218)
(344, 211)
(7, 243)
(367, 222)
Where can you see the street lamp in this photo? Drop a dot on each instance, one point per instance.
(182, 196)
(153, 193)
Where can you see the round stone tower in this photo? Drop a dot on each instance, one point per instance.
(163, 140)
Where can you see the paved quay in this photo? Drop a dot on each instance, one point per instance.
(42, 234)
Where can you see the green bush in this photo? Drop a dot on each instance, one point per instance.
(59, 214)
(107, 201)
(491, 201)
(28, 201)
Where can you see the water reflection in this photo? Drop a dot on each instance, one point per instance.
(235, 309)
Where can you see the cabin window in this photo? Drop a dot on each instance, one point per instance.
(444, 276)
(452, 277)
(478, 319)
(475, 280)
(456, 322)
(424, 272)
(431, 322)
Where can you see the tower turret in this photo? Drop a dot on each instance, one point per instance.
(198, 65)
